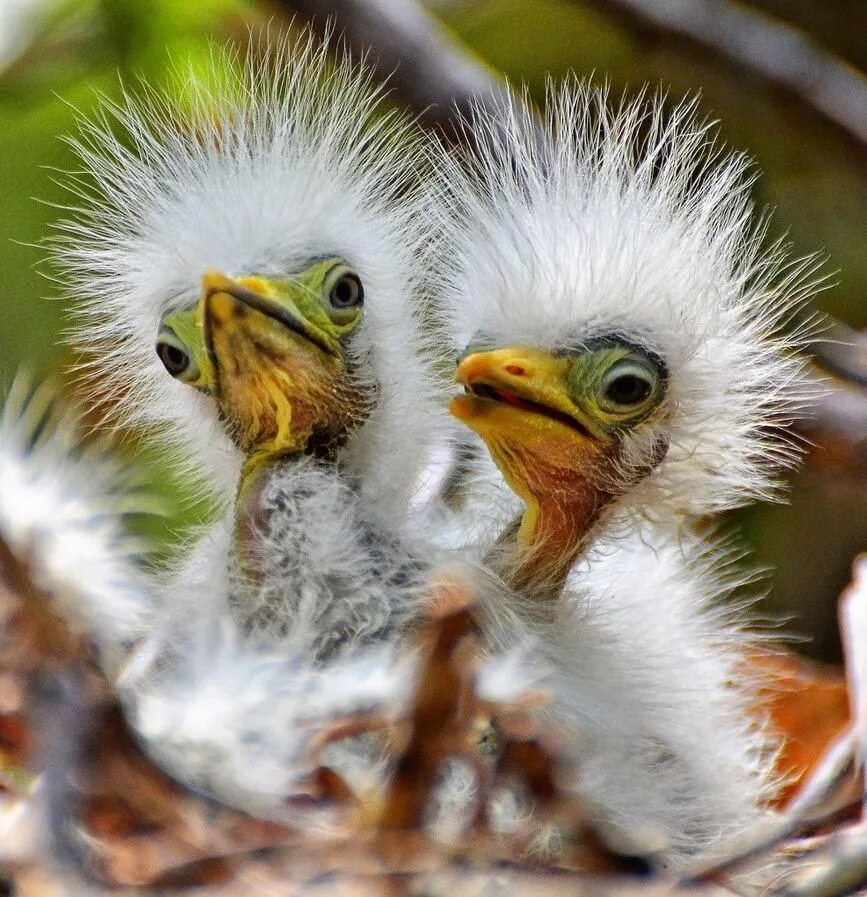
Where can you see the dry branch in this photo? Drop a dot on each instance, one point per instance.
(768, 48)
(842, 351)
(426, 70)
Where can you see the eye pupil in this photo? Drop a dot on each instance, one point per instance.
(628, 389)
(347, 292)
(175, 360)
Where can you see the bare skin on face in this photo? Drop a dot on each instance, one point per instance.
(514, 401)
(269, 354)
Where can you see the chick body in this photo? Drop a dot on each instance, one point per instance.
(630, 231)
(286, 614)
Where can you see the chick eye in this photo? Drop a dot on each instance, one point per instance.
(628, 389)
(630, 386)
(175, 360)
(346, 291)
(175, 357)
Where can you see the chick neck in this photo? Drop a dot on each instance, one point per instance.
(563, 506)
(257, 471)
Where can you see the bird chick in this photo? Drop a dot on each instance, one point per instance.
(618, 326)
(265, 232)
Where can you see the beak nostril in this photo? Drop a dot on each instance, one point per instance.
(516, 370)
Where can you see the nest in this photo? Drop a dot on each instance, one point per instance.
(83, 810)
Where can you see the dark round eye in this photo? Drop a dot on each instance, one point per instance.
(628, 389)
(346, 292)
(174, 359)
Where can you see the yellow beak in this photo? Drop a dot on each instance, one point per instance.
(521, 392)
(273, 380)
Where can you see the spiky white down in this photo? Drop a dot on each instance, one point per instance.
(652, 671)
(634, 223)
(63, 506)
(253, 169)
(242, 723)
(228, 717)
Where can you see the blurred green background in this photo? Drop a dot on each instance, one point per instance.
(54, 54)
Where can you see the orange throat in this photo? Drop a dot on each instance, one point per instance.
(557, 471)
(563, 506)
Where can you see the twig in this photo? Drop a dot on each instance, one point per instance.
(776, 52)
(836, 425)
(405, 46)
(842, 351)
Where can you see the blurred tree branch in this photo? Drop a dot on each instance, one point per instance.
(843, 351)
(774, 51)
(780, 55)
(404, 45)
(836, 426)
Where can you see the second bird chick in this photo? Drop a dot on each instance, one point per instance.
(617, 325)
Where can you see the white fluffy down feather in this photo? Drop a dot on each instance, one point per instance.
(254, 168)
(62, 514)
(633, 222)
(241, 722)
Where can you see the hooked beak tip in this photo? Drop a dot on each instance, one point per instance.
(471, 368)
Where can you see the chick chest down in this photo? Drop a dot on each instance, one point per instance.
(310, 560)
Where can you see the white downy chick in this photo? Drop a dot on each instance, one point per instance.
(621, 342)
(264, 229)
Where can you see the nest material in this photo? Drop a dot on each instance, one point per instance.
(81, 803)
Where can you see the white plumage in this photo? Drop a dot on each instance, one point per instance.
(272, 166)
(637, 223)
(634, 224)
(62, 514)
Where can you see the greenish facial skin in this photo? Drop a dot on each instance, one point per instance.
(614, 388)
(552, 422)
(270, 352)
